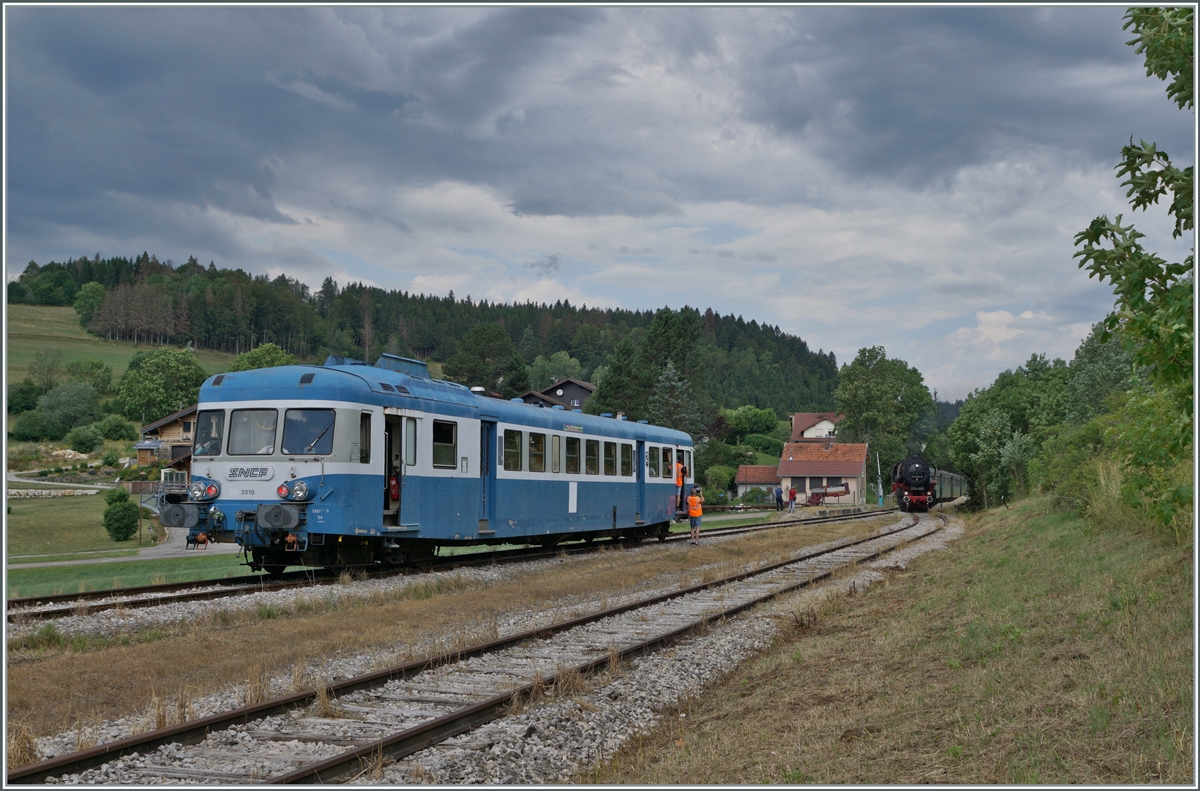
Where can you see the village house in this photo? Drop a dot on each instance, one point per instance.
(812, 464)
(169, 440)
(814, 425)
(757, 476)
(567, 393)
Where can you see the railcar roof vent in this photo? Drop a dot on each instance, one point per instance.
(606, 414)
(402, 389)
(576, 410)
(306, 379)
(405, 365)
(516, 400)
(217, 382)
(559, 406)
(644, 421)
(387, 387)
(337, 359)
(478, 390)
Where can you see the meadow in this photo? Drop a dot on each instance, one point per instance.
(35, 328)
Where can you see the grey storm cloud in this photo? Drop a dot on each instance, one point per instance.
(850, 139)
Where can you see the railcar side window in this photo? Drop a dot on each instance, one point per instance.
(364, 438)
(512, 450)
(652, 456)
(555, 453)
(445, 443)
(572, 455)
(537, 452)
(667, 470)
(210, 429)
(410, 441)
(687, 462)
(252, 432)
(626, 460)
(591, 461)
(308, 431)
(610, 458)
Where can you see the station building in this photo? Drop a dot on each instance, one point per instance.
(814, 463)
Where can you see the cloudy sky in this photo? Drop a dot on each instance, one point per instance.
(905, 177)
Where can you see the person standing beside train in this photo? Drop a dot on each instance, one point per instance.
(695, 502)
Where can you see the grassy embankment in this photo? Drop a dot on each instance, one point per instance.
(1037, 649)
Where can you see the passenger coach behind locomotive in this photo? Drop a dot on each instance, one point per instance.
(913, 485)
(350, 464)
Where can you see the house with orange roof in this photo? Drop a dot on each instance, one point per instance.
(757, 476)
(811, 464)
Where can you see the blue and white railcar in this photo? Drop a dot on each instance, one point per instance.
(353, 464)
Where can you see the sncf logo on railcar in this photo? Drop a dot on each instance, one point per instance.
(256, 473)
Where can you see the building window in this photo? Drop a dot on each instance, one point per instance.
(187, 427)
(574, 402)
(445, 443)
(572, 455)
(592, 456)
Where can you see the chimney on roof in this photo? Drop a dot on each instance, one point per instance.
(828, 443)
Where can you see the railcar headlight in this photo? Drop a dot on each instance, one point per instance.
(300, 490)
(196, 491)
(283, 491)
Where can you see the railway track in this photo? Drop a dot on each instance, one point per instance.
(37, 608)
(338, 731)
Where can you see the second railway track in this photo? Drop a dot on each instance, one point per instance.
(395, 712)
(40, 608)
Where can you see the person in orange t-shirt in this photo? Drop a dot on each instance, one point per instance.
(695, 503)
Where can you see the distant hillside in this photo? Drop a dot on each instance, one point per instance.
(743, 362)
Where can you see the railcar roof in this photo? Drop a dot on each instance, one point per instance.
(364, 384)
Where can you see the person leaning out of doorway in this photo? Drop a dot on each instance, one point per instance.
(680, 474)
(695, 502)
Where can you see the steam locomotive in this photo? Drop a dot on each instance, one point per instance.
(914, 484)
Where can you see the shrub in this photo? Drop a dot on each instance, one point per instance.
(117, 495)
(85, 439)
(23, 396)
(757, 496)
(70, 405)
(719, 477)
(117, 428)
(58, 470)
(120, 520)
(765, 444)
(32, 426)
(110, 459)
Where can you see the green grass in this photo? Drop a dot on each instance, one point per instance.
(33, 328)
(58, 525)
(117, 553)
(101, 576)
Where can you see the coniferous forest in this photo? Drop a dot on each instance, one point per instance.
(724, 361)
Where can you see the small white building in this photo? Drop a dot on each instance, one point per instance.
(814, 425)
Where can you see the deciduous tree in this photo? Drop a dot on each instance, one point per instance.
(165, 382)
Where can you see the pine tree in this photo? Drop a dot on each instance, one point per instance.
(672, 404)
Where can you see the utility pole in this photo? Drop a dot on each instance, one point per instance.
(879, 478)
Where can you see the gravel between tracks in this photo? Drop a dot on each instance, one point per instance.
(551, 741)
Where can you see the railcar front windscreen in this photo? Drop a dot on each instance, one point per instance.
(252, 432)
(210, 430)
(308, 431)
